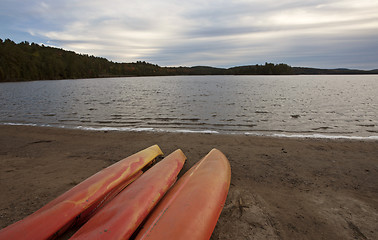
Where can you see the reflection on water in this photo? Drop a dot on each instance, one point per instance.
(335, 105)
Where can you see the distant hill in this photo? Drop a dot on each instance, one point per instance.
(25, 61)
(315, 71)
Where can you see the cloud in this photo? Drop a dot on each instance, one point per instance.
(223, 33)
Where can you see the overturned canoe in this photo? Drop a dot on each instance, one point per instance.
(191, 208)
(79, 203)
(122, 216)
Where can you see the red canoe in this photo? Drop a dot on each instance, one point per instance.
(190, 210)
(122, 216)
(80, 202)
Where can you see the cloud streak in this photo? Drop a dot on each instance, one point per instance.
(316, 33)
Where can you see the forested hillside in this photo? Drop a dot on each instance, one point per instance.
(25, 61)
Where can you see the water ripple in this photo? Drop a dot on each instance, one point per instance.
(291, 105)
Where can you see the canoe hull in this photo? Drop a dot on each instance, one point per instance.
(83, 200)
(191, 209)
(122, 216)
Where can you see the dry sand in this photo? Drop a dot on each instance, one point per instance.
(280, 188)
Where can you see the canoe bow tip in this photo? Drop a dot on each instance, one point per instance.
(157, 148)
(216, 150)
(180, 152)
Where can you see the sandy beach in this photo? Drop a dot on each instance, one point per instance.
(280, 188)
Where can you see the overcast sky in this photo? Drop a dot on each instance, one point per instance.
(315, 33)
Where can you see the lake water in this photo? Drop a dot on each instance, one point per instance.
(312, 106)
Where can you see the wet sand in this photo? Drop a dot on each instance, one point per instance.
(280, 188)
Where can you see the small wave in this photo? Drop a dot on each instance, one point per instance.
(116, 118)
(372, 131)
(49, 114)
(191, 119)
(20, 124)
(104, 121)
(67, 120)
(321, 128)
(366, 125)
(192, 131)
(323, 136)
(130, 129)
(165, 119)
(224, 125)
(126, 122)
(122, 129)
(173, 124)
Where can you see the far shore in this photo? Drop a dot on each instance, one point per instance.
(281, 188)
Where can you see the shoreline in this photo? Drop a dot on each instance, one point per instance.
(269, 134)
(281, 188)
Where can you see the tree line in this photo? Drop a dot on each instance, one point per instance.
(29, 61)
